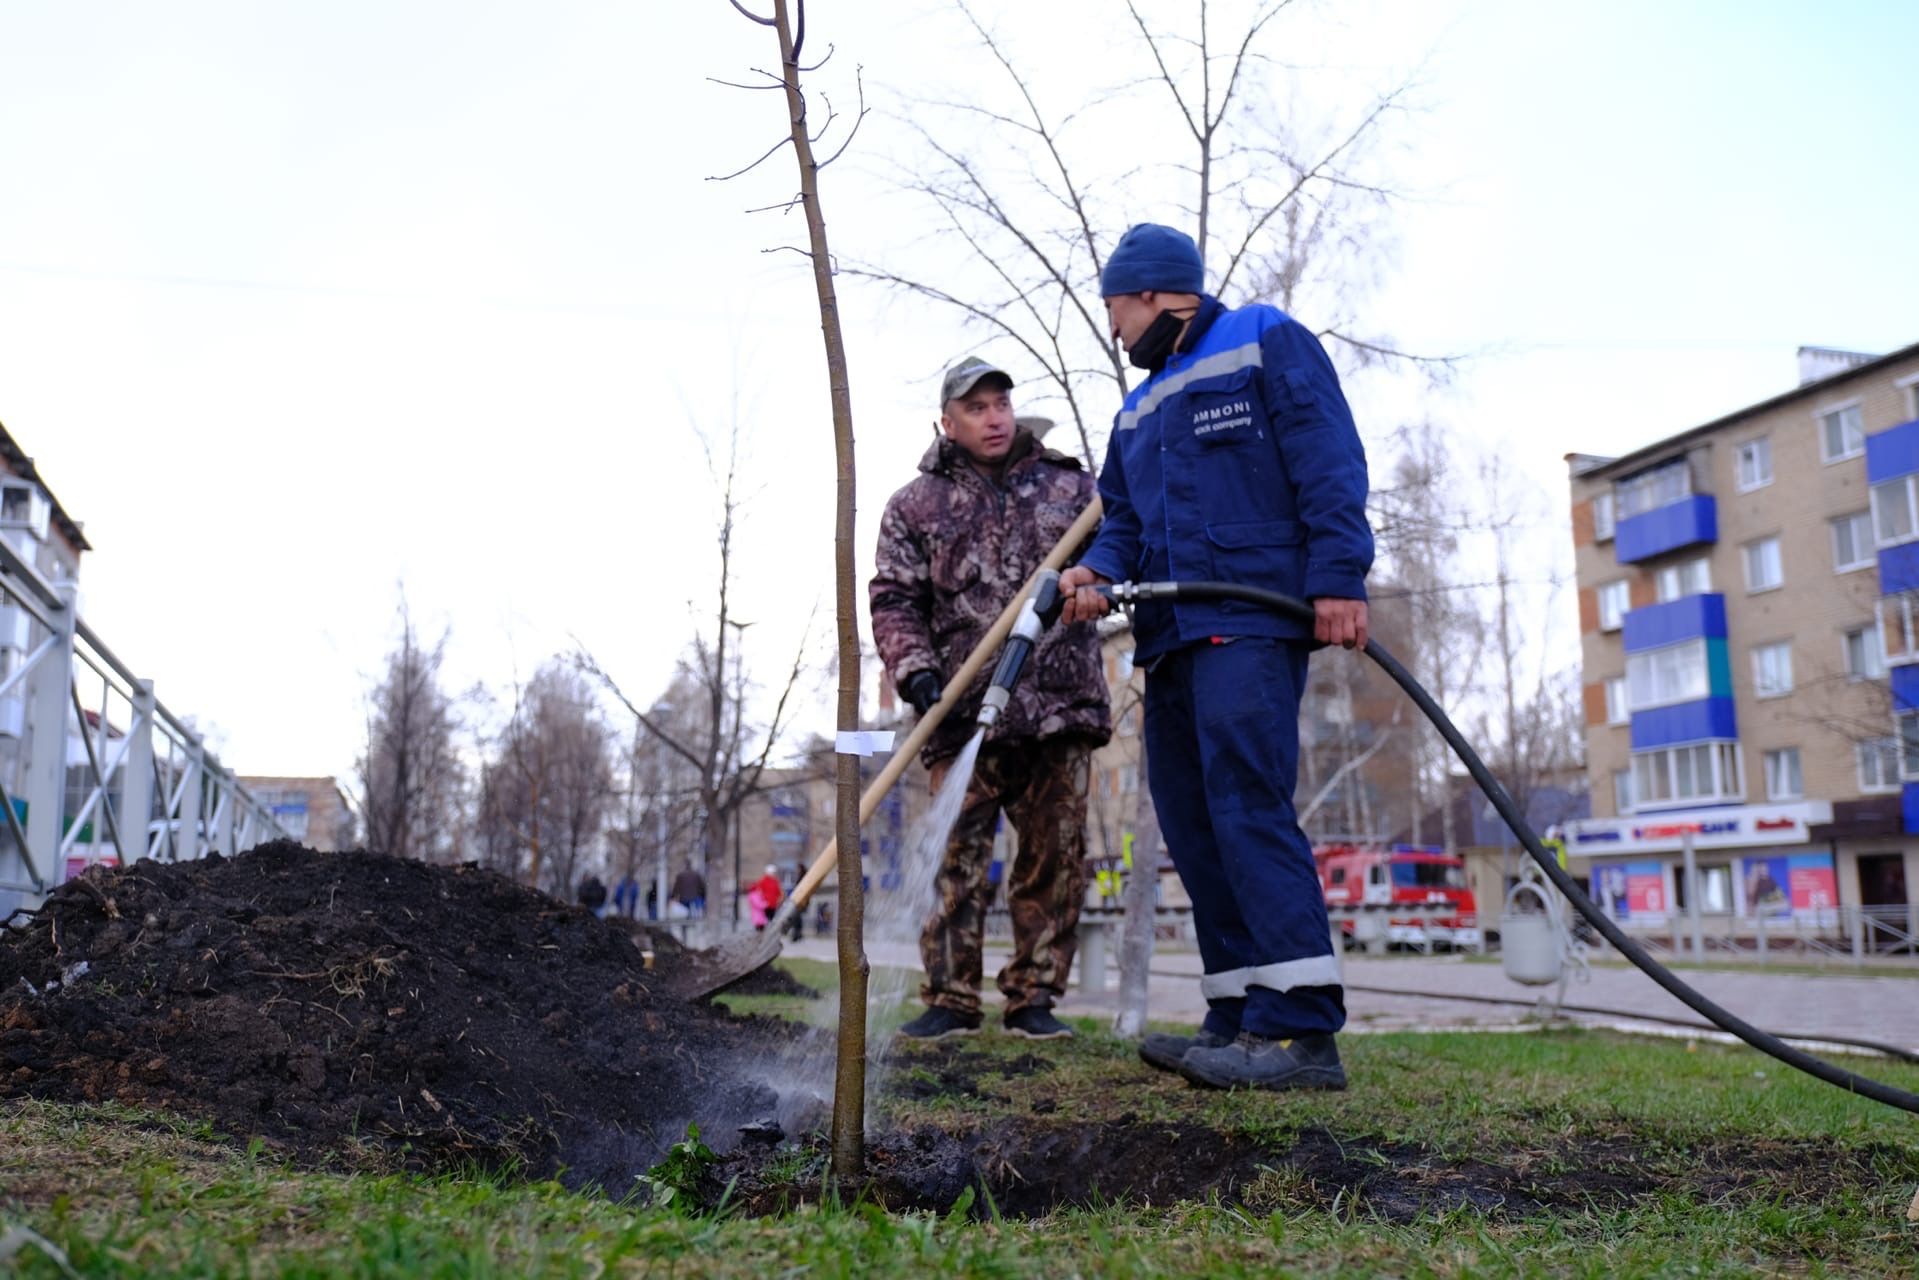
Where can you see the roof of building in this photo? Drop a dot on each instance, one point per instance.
(21, 465)
(1821, 386)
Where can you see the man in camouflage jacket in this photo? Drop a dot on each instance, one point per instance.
(955, 546)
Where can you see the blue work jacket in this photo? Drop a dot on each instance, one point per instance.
(1237, 462)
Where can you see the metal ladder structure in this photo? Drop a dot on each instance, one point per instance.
(93, 768)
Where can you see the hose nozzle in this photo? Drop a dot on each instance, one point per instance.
(1040, 611)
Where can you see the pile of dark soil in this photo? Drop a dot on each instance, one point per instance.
(328, 1001)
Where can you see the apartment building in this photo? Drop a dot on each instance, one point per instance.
(1748, 605)
(313, 811)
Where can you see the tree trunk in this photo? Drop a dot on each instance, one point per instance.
(1136, 940)
(849, 1087)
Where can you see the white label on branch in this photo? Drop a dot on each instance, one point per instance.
(864, 742)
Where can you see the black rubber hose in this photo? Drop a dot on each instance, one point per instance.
(1764, 1041)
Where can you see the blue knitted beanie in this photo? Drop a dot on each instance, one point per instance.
(1150, 256)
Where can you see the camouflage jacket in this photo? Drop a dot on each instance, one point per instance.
(954, 548)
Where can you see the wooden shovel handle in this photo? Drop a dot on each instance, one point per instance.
(962, 679)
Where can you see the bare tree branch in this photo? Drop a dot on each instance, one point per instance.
(756, 164)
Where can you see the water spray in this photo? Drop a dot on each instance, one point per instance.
(1764, 1041)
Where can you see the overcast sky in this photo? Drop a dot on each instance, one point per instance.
(300, 303)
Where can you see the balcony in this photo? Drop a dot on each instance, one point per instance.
(1892, 453)
(1688, 522)
(1655, 626)
(1658, 727)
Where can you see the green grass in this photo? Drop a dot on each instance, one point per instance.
(124, 1194)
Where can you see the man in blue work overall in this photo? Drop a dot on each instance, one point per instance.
(1235, 461)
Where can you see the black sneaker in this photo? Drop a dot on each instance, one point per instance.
(1036, 1022)
(1255, 1062)
(1164, 1051)
(939, 1023)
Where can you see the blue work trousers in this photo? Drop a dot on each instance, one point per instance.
(1222, 747)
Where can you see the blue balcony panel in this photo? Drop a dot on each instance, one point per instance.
(1684, 722)
(1899, 568)
(1905, 687)
(1654, 626)
(1893, 452)
(1909, 807)
(1679, 524)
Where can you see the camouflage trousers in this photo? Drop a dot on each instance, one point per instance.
(1042, 788)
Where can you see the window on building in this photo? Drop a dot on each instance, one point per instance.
(1764, 570)
(1907, 722)
(1700, 773)
(1912, 391)
(1688, 578)
(1852, 542)
(1842, 434)
(1662, 486)
(1755, 463)
(1622, 791)
(1602, 517)
(1898, 640)
(1618, 708)
(1715, 888)
(1772, 669)
(1783, 781)
(1878, 761)
(1676, 673)
(1614, 600)
(1895, 510)
(1865, 658)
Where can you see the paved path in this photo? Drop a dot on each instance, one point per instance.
(1401, 992)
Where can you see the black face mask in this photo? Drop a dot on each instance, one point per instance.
(1155, 346)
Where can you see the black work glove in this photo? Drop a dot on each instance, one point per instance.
(923, 689)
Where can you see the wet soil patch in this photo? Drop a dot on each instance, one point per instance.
(1028, 1168)
(938, 1071)
(441, 1016)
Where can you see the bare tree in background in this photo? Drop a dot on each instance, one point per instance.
(1287, 204)
(1534, 732)
(550, 786)
(714, 751)
(1419, 516)
(411, 778)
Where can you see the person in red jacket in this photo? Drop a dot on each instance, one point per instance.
(763, 897)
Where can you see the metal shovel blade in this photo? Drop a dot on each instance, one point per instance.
(744, 956)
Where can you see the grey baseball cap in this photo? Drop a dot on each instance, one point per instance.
(966, 375)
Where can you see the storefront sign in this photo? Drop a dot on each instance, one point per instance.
(1727, 828)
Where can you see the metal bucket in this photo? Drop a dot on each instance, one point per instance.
(1531, 945)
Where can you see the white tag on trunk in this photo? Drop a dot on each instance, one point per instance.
(864, 742)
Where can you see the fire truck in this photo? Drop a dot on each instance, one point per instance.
(1369, 876)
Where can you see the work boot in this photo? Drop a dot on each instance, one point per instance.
(1036, 1022)
(1256, 1062)
(939, 1023)
(1163, 1050)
